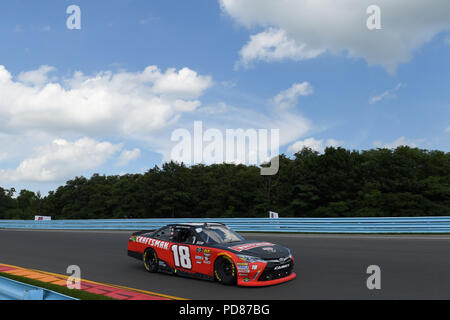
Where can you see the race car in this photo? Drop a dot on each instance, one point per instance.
(212, 251)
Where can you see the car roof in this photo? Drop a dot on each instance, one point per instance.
(196, 224)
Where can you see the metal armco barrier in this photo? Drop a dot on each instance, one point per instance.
(13, 290)
(300, 225)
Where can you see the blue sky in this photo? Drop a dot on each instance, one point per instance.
(367, 88)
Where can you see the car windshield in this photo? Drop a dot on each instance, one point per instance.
(218, 234)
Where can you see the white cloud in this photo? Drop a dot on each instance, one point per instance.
(3, 156)
(312, 143)
(230, 84)
(402, 141)
(61, 160)
(388, 94)
(220, 107)
(333, 143)
(291, 125)
(37, 109)
(289, 97)
(316, 145)
(123, 103)
(184, 84)
(339, 27)
(127, 156)
(447, 129)
(37, 77)
(274, 45)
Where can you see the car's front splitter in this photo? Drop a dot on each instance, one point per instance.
(256, 283)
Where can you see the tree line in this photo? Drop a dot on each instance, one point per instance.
(337, 183)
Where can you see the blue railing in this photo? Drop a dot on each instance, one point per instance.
(301, 225)
(14, 290)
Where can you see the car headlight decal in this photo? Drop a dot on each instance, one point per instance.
(249, 259)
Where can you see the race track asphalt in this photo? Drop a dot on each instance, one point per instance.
(327, 266)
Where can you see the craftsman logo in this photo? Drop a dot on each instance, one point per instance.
(249, 246)
(153, 242)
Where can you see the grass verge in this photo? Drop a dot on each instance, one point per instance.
(77, 294)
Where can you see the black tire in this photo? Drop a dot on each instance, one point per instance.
(150, 259)
(225, 270)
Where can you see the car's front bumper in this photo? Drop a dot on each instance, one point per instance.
(262, 274)
(256, 283)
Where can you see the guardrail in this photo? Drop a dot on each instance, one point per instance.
(14, 290)
(300, 225)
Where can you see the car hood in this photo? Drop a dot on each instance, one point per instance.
(260, 249)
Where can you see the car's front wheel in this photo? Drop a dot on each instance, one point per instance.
(225, 270)
(150, 259)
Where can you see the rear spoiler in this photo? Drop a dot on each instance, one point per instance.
(138, 233)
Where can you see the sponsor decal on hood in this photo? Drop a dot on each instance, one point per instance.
(248, 246)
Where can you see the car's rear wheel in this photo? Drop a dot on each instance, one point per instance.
(150, 259)
(225, 270)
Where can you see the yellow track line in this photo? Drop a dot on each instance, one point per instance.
(98, 283)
